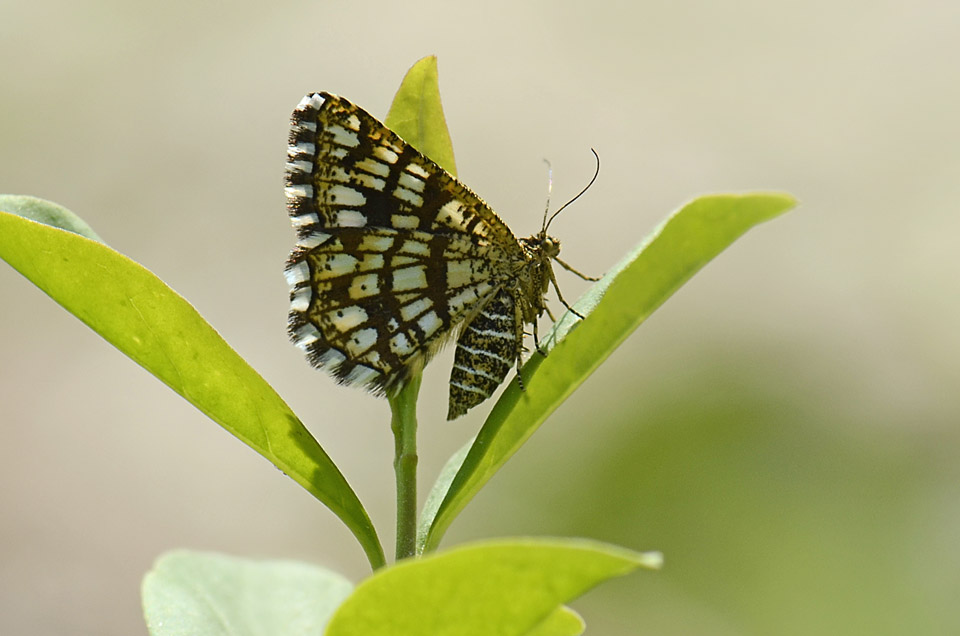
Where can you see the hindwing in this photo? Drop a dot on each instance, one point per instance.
(488, 347)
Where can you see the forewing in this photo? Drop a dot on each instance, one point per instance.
(393, 252)
(346, 169)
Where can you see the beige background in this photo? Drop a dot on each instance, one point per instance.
(785, 428)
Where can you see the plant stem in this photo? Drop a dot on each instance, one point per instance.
(404, 425)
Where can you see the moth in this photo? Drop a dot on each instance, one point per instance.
(395, 257)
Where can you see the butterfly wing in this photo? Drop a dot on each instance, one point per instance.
(394, 254)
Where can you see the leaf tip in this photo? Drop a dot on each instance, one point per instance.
(651, 560)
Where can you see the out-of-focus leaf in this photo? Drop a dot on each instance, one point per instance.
(205, 594)
(46, 212)
(438, 492)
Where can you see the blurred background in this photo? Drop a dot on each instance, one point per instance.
(784, 429)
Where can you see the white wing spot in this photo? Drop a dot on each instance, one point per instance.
(304, 219)
(375, 243)
(313, 240)
(306, 336)
(299, 166)
(371, 262)
(360, 374)
(302, 148)
(415, 247)
(410, 278)
(459, 273)
(404, 221)
(347, 318)
(412, 310)
(363, 286)
(373, 357)
(336, 264)
(410, 182)
(361, 340)
(417, 170)
(385, 154)
(400, 345)
(369, 181)
(313, 100)
(343, 137)
(298, 191)
(345, 195)
(300, 300)
(350, 218)
(297, 273)
(430, 323)
(373, 166)
(412, 198)
(331, 358)
(353, 123)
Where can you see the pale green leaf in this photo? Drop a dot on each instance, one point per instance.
(206, 594)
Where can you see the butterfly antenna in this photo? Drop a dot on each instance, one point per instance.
(546, 210)
(563, 207)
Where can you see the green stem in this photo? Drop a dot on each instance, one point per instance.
(404, 425)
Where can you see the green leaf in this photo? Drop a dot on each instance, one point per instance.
(205, 594)
(438, 493)
(417, 114)
(506, 587)
(46, 212)
(562, 622)
(616, 305)
(138, 314)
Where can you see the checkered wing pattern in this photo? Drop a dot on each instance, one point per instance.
(394, 257)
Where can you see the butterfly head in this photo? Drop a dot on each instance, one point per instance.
(550, 246)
